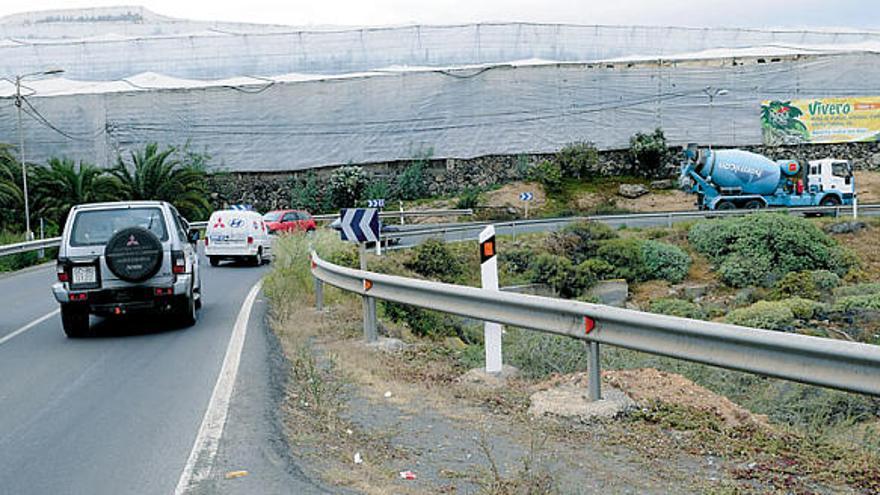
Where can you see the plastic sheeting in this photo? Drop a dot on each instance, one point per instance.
(459, 113)
(195, 50)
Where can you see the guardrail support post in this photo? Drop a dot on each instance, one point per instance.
(319, 294)
(370, 327)
(594, 373)
(669, 220)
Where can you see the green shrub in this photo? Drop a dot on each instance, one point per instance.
(550, 269)
(857, 290)
(578, 159)
(803, 309)
(538, 355)
(581, 239)
(307, 193)
(434, 259)
(854, 303)
(665, 261)
(760, 249)
(808, 284)
(379, 189)
(346, 186)
(549, 175)
(648, 152)
(411, 183)
(424, 322)
(469, 198)
(625, 255)
(516, 259)
(601, 268)
(769, 315)
(678, 307)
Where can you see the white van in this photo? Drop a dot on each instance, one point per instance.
(237, 235)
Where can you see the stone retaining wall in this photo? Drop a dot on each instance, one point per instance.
(272, 190)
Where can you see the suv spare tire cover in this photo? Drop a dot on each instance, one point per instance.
(133, 254)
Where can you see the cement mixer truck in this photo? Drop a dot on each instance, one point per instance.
(730, 179)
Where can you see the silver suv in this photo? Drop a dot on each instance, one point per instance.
(120, 258)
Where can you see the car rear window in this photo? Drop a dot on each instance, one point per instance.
(272, 216)
(91, 228)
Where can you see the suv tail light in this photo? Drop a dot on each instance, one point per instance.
(178, 262)
(61, 272)
(250, 240)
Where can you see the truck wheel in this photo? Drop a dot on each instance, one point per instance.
(754, 205)
(829, 201)
(75, 320)
(725, 205)
(214, 260)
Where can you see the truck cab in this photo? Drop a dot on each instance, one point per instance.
(829, 175)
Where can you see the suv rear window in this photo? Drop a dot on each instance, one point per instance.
(91, 228)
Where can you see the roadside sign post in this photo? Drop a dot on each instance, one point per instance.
(855, 208)
(526, 197)
(595, 377)
(42, 252)
(489, 275)
(361, 225)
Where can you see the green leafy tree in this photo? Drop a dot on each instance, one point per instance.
(11, 197)
(578, 159)
(63, 184)
(151, 174)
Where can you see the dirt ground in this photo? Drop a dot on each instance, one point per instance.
(409, 411)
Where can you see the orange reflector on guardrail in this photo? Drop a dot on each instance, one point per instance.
(589, 324)
(368, 284)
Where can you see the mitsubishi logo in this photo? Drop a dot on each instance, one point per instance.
(219, 223)
(132, 241)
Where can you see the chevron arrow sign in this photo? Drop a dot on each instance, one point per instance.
(359, 224)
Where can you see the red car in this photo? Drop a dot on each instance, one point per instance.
(289, 221)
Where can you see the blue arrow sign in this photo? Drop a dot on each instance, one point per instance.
(526, 196)
(359, 224)
(376, 203)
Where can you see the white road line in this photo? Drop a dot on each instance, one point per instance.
(27, 327)
(201, 458)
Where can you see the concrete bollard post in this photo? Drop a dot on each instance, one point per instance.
(594, 373)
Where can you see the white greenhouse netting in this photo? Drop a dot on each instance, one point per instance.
(396, 115)
(274, 98)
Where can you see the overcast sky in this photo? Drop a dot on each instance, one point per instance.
(752, 13)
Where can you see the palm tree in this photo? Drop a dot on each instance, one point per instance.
(63, 184)
(159, 175)
(11, 197)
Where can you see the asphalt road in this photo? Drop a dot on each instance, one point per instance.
(119, 413)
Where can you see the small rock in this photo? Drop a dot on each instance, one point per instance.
(388, 394)
(610, 292)
(632, 191)
(454, 343)
(695, 291)
(388, 344)
(662, 184)
(845, 227)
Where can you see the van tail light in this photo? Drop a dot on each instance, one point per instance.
(250, 240)
(206, 240)
(61, 271)
(178, 262)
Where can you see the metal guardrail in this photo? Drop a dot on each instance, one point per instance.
(23, 247)
(406, 214)
(849, 366)
(52, 242)
(670, 216)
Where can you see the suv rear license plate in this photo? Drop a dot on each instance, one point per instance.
(84, 275)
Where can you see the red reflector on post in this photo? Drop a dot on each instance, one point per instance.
(368, 284)
(589, 324)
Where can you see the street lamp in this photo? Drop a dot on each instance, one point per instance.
(18, 100)
(712, 93)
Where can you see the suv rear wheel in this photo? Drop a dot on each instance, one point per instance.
(257, 260)
(186, 310)
(75, 320)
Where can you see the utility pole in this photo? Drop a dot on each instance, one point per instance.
(29, 236)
